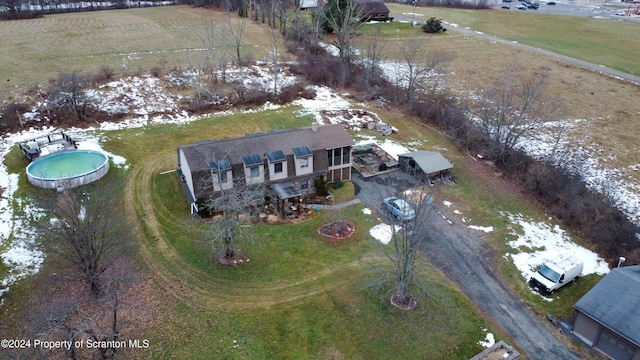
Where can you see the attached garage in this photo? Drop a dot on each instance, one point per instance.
(608, 316)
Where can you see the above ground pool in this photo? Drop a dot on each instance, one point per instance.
(67, 169)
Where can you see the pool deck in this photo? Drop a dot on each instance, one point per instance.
(47, 144)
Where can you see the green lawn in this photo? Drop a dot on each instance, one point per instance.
(300, 296)
(599, 41)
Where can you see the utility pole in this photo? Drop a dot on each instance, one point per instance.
(413, 15)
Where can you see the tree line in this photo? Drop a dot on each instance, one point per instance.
(27, 9)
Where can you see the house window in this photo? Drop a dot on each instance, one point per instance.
(330, 157)
(304, 162)
(255, 172)
(337, 156)
(277, 168)
(345, 155)
(223, 177)
(304, 184)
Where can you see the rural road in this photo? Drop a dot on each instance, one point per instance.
(463, 256)
(584, 64)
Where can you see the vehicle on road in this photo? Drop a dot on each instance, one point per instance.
(553, 275)
(551, 2)
(506, 7)
(533, 6)
(521, 7)
(399, 208)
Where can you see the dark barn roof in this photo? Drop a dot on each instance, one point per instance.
(615, 302)
(370, 7)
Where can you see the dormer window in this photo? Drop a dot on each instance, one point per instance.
(277, 164)
(303, 160)
(220, 174)
(253, 165)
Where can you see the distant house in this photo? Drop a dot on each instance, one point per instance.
(425, 165)
(308, 4)
(608, 316)
(371, 10)
(368, 10)
(288, 161)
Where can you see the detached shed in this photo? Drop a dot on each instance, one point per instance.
(371, 10)
(608, 316)
(425, 165)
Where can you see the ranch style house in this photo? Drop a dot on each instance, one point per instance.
(286, 161)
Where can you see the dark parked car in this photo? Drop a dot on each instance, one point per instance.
(533, 6)
(551, 2)
(506, 7)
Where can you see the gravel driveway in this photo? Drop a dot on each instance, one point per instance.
(463, 256)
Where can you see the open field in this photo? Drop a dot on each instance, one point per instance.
(599, 41)
(129, 41)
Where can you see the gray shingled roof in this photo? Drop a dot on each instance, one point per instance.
(200, 154)
(615, 302)
(325, 137)
(430, 162)
(369, 7)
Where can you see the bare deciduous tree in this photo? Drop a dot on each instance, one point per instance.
(236, 30)
(67, 96)
(88, 230)
(402, 251)
(512, 107)
(234, 203)
(76, 315)
(276, 44)
(374, 48)
(417, 65)
(340, 17)
(304, 29)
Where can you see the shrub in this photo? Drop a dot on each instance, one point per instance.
(204, 210)
(156, 71)
(294, 91)
(338, 184)
(10, 118)
(433, 26)
(321, 186)
(105, 74)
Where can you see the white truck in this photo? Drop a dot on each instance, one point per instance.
(553, 275)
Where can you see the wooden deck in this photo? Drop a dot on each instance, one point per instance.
(47, 144)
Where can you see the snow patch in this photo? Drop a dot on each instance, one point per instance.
(486, 229)
(489, 340)
(383, 232)
(540, 242)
